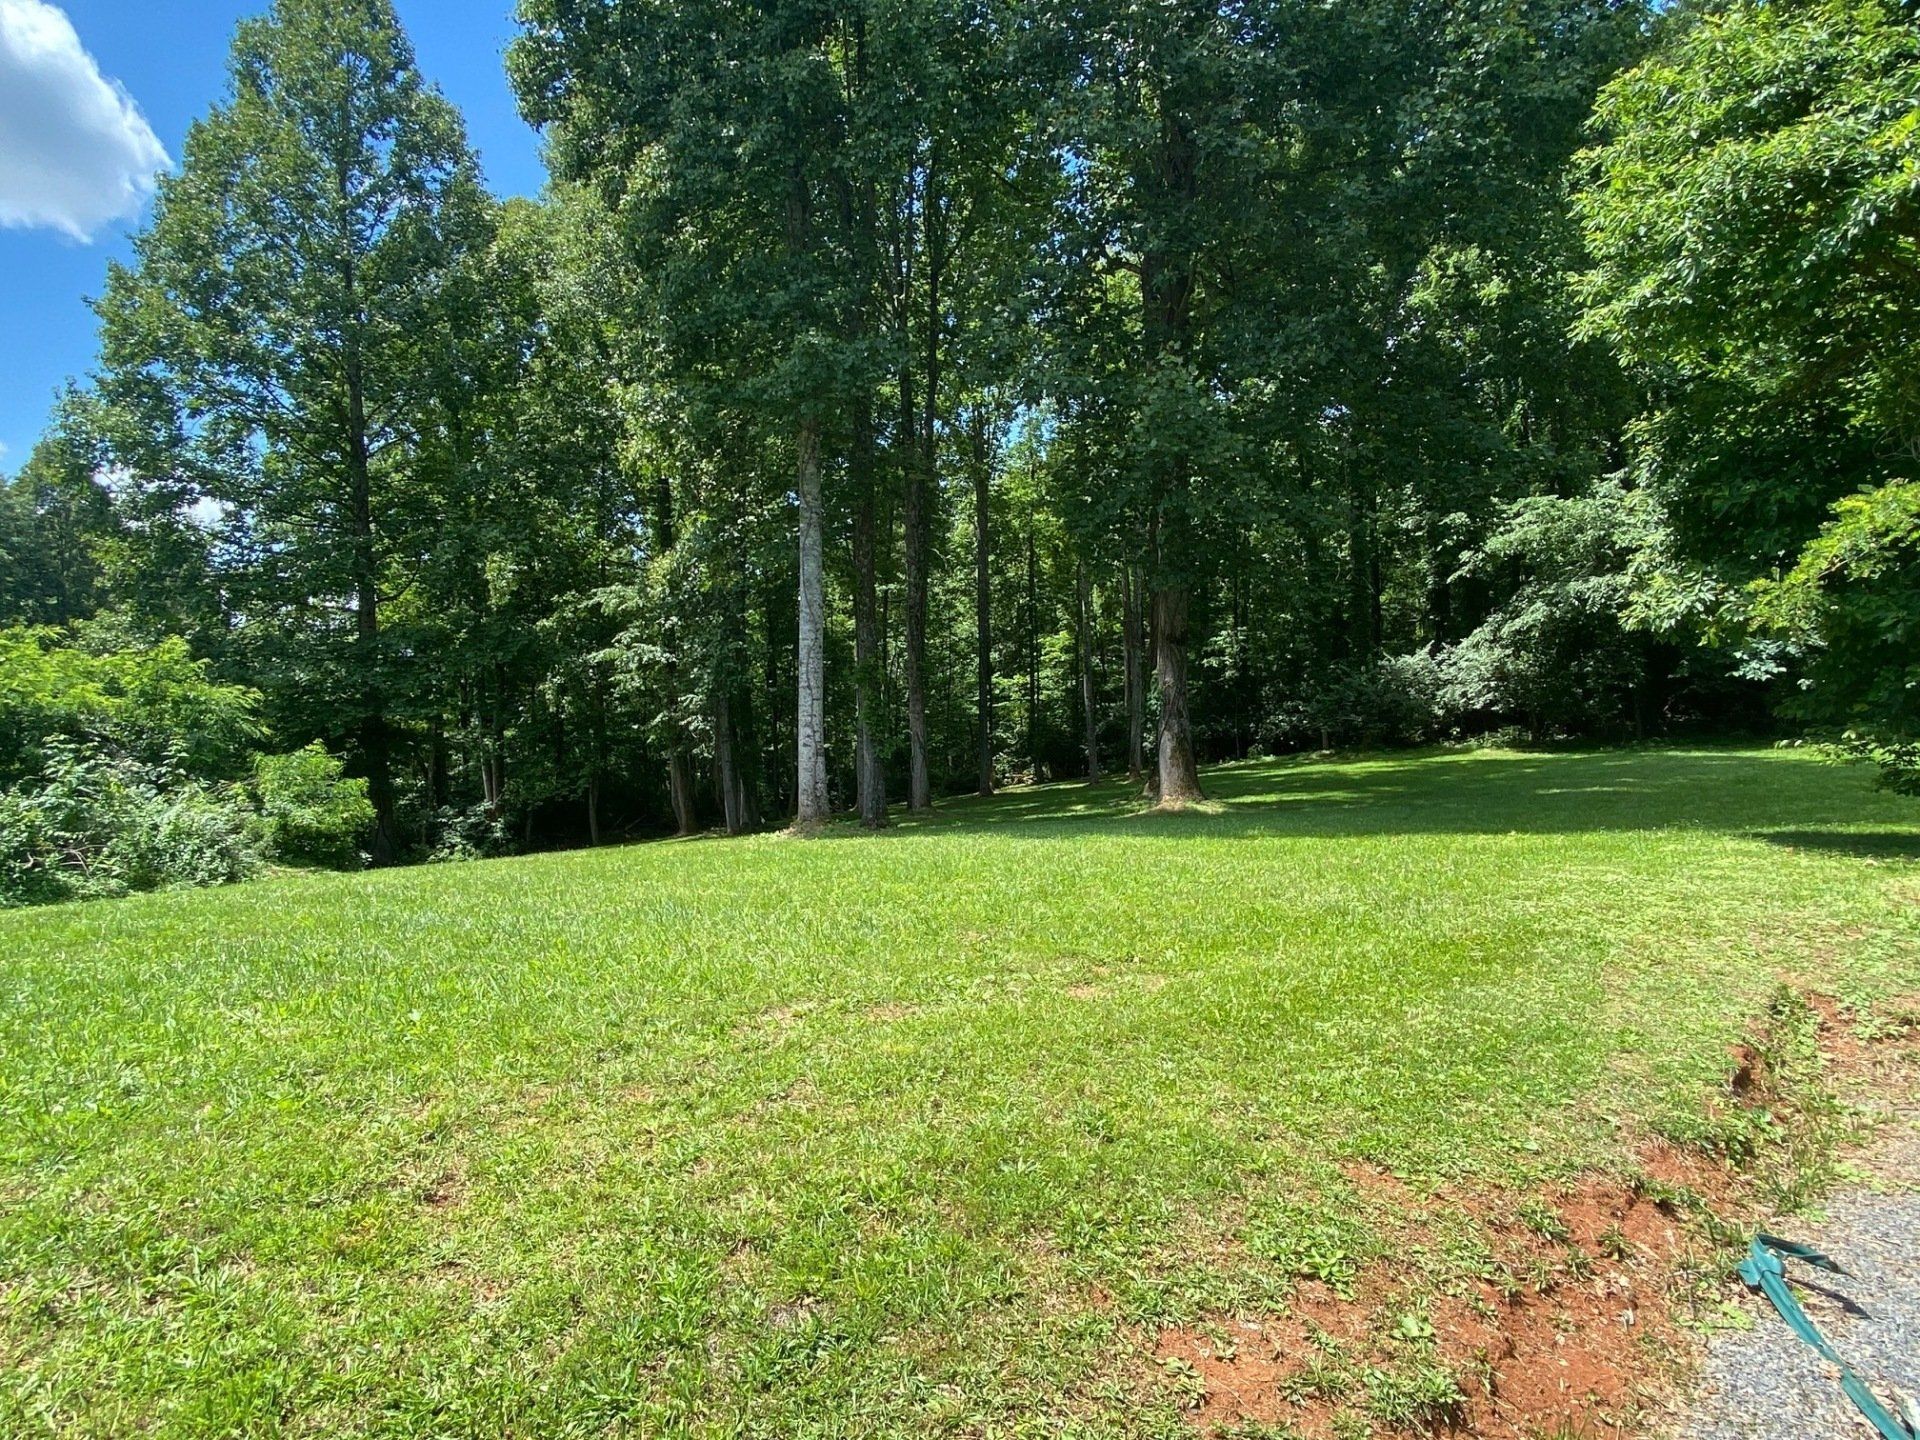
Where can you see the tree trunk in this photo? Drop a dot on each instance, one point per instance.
(597, 751)
(983, 602)
(914, 518)
(734, 802)
(1166, 294)
(869, 774)
(811, 802)
(1130, 622)
(680, 789)
(686, 815)
(1153, 647)
(495, 763)
(1033, 655)
(437, 785)
(1439, 597)
(775, 682)
(1179, 775)
(919, 788)
(746, 765)
(1363, 617)
(922, 485)
(377, 755)
(858, 212)
(375, 742)
(1083, 634)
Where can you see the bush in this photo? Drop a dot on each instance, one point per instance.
(470, 832)
(1391, 701)
(156, 705)
(30, 873)
(310, 810)
(91, 825)
(1850, 611)
(1555, 654)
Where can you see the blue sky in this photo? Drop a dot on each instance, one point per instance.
(170, 57)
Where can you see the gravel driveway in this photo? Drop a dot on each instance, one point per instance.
(1767, 1383)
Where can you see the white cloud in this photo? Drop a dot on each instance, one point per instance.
(75, 151)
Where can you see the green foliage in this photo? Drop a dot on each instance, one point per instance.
(1851, 607)
(116, 770)
(296, 350)
(1556, 653)
(1388, 701)
(91, 825)
(56, 523)
(152, 706)
(1751, 214)
(310, 810)
(1247, 335)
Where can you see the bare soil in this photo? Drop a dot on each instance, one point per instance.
(1574, 1330)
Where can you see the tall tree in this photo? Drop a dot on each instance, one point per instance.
(56, 519)
(285, 293)
(718, 138)
(1172, 119)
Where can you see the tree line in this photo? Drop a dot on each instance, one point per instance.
(896, 399)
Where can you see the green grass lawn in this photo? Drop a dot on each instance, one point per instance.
(918, 1133)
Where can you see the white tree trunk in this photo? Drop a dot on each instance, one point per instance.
(812, 723)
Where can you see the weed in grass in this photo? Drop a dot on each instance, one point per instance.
(1318, 1378)
(1541, 1218)
(1413, 1326)
(1184, 1382)
(1614, 1245)
(1418, 1396)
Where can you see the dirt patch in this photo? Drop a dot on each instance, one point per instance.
(1108, 985)
(1864, 1050)
(1557, 1331)
(1243, 1374)
(1682, 1174)
(483, 1289)
(444, 1191)
(774, 1025)
(1564, 1325)
(1748, 1072)
(1576, 1347)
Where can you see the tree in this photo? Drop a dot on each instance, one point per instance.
(287, 299)
(56, 519)
(1752, 214)
(716, 136)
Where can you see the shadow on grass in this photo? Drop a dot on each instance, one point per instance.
(1861, 844)
(1756, 793)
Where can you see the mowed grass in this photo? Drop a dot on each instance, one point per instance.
(920, 1133)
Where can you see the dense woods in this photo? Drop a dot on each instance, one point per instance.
(888, 400)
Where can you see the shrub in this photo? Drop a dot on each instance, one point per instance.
(470, 832)
(1850, 609)
(1555, 654)
(1394, 700)
(310, 810)
(92, 825)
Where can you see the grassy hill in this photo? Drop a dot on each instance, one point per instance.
(920, 1133)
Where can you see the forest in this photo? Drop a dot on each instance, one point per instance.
(896, 399)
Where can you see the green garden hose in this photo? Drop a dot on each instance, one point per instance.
(1765, 1270)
